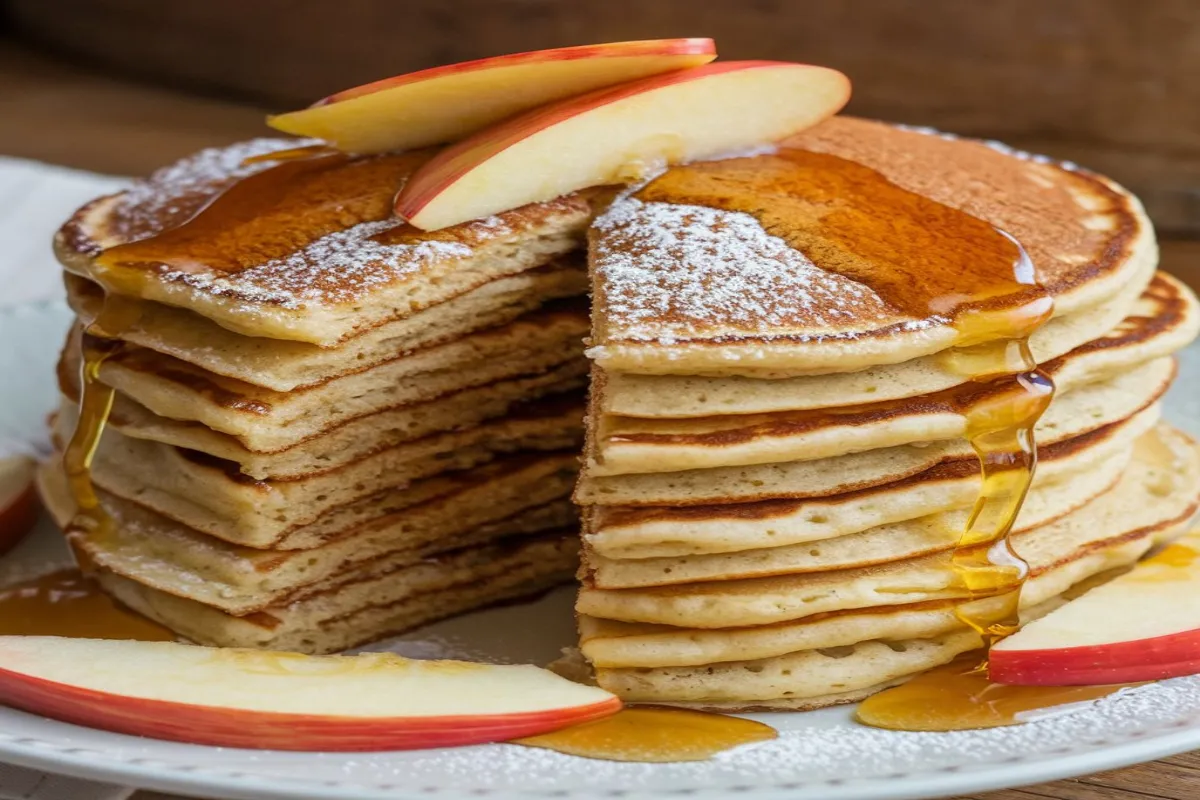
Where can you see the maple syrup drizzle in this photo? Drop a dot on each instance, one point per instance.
(311, 191)
(654, 734)
(67, 603)
(959, 696)
(308, 192)
(924, 259)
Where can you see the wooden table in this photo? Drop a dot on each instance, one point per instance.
(65, 115)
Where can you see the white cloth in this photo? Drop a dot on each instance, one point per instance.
(34, 200)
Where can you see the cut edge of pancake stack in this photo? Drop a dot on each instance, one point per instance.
(333, 427)
(771, 497)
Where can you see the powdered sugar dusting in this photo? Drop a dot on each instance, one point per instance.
(672, 271)
(334, 268)
(176, 192)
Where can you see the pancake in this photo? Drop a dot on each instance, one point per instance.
(1093, 385)
(1165, 311)
(265, 420)
(921, 536)
(1070, 415)
(379, 599)
(649, 533)
(803, 675)
(289, 264)
(518, 495)
(361, 437)
(670, 262)
(879, 647)
(373, 608)
(283, 365)
(212, 496)
(1158, 490)
(612, 644)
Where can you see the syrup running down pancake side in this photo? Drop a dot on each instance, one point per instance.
(927, 261)
(307, 192)
(930, 261)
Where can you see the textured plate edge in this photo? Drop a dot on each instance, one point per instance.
(1172, 739)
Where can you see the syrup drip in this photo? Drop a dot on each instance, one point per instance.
(654, 735)
(310, 192)
(959, 696)
(922, 258)
(97, 344)
(68, 604)
(1001, 435)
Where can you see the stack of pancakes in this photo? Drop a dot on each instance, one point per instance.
(328, 426)
(776, 473)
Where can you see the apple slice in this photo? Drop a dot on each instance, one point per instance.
(18, 500)
(444, 104)
(286, 701)
(1141, 626)
(619, 134)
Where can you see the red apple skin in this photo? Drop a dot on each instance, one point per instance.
(1156, 658)
(456, 160)
(18, 518)
(262, 730)
(648, 47)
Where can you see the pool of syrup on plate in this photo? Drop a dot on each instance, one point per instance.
(994, 305)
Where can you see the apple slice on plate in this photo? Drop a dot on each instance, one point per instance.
(18, 500)
(619, 134)
(287, 701)
(1141, 626)
(444, 104)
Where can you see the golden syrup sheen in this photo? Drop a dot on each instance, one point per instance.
(924, 259)
(66, 603)
(97, 344)
(959, 696)
(654, 735)
(309, 193)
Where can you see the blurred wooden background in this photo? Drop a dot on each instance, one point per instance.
(1113, 84)
(125, 85)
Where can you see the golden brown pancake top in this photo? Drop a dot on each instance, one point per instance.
(853, 228)
(281, 232)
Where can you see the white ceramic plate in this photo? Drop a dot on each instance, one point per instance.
(820, 756)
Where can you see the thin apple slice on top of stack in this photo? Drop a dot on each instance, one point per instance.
(444, 104)
(18, 500)
(616, 134)
(286, 701)
(1141, 626)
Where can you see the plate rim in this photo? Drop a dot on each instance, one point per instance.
(1168, 738)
